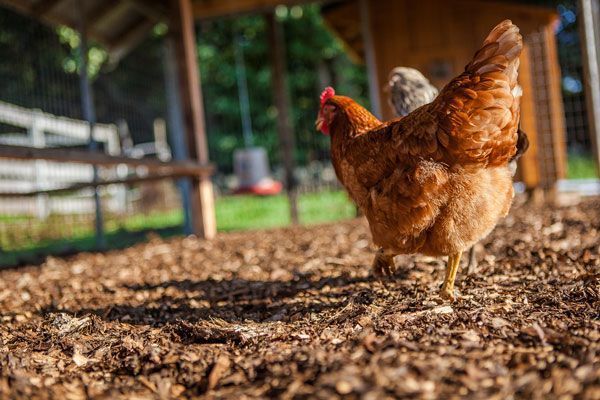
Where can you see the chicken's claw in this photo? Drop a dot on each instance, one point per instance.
(383, 264)
(447, 294)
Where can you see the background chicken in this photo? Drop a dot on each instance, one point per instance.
(436, 181)
(409, 90)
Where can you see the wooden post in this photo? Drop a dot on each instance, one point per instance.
(183, 32)
(374, 95)
(38, 139)
(589, 16)
(282, 102)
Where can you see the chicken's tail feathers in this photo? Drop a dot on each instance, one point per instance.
(500, 52)
(522, 144)
(478, 111)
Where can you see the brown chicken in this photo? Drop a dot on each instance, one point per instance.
(436, 181)
(408, 90)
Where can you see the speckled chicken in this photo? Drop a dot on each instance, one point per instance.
(409, 90)
(436, 181)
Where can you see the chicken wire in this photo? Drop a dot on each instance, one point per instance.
(40, 106)
(578, 135)
(130, 104)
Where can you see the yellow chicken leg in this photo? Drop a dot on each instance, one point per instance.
(447, 291)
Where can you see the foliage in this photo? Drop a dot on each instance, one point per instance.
(40, 65)
(306, 54)
(581, 166)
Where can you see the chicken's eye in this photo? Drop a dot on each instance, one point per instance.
(330, 109)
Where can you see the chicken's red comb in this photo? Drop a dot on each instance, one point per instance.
(327, 94)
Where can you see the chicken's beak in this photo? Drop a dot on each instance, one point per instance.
(319, 123)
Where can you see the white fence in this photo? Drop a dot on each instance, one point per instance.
(39, 129)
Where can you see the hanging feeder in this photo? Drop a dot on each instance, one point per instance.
(250, 164)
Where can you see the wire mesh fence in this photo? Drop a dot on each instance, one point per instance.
(40, 106)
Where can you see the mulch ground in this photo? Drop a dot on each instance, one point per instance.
(295, 313)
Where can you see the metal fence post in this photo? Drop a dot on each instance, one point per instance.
(282, 102)
(176, 130)
(89, 114)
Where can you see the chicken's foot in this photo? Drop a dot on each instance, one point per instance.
(447, 291)
(383, 264)
(472, 260)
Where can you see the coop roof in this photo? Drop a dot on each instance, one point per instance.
(120, 25)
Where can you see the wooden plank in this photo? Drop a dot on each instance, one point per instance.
(282, 102)
(100, 159)
(202, 199)
(83, 185)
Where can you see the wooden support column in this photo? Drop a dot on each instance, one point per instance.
(282, 102)
(183, 34)
(589, 17)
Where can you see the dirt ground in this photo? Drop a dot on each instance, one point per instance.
(294, 313)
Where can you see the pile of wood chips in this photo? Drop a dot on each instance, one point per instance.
(295, 313)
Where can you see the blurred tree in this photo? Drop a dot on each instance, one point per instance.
(38, 69)
(310, 49)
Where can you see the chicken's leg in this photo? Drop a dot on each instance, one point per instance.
(472, 260)
(383, 264)
(447, 291)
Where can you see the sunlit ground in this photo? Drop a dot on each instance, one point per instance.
(27, 239)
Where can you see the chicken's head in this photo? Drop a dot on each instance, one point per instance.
(327, 111)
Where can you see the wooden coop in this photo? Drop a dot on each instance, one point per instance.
(438, 37)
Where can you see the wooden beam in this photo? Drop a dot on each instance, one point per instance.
(101, 159)
(83, 185)
(282, 102)
(184, 36)
(131, 37)
(207, 9)
(44, 6)
(105, 9)
(589, 17)
(154, 10)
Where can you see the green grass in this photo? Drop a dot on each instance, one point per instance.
(251, 212)
(233, 213)
(581, 167)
